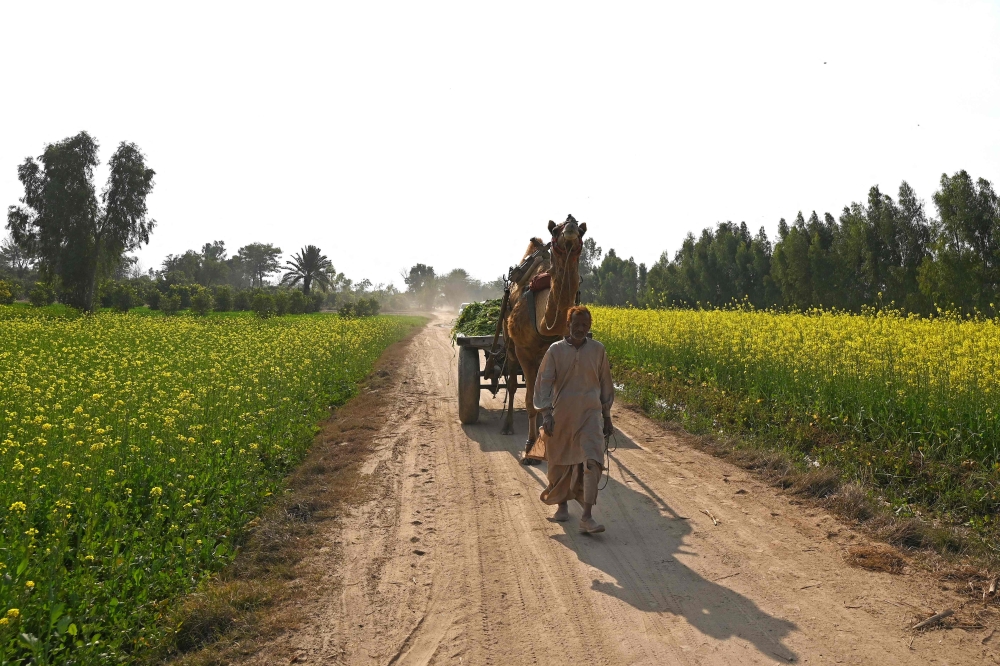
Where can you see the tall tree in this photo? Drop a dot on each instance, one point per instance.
(590, 257)
(422, 283)
(617, 280)
(75, 237)
(308, 266)
(182, 268)
(14, 260)
(721, 266)
(419, 277)
(965, 267)
(259, 260)
(457, 286)
(791, 265)
(213, 270)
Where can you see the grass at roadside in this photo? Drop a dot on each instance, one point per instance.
(137, 449)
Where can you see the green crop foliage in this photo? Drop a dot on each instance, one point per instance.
(907, 404)
(135, 450)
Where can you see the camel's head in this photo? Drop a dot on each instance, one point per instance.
(567, 238)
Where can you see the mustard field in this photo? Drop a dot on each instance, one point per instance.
(909, 404)
(135, 449)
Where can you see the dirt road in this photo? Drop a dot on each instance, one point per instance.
(457, 562)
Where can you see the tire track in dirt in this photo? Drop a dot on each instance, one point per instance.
(454, 560)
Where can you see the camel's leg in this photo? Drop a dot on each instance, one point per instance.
(512, 367)
(530, 372)
(508, 421)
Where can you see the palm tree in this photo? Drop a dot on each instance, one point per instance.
(308, 266)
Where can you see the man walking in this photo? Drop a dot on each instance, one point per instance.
(573, 391)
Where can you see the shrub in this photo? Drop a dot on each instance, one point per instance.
(183, 291)
(363, 307)
(201, 300)
(223, 299)
(281, 303)
(123, 297)
(153, 298)
(170, 304)
(297, 302)
(105, 293)
(243, 300)
(263, 304)
(6, 292)
(315, 301)
(42, 295)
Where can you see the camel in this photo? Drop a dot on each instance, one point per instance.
(525, 344)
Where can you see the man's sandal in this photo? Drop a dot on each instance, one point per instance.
(561, 515)
(590, 526)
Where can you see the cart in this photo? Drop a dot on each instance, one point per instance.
(479, 368)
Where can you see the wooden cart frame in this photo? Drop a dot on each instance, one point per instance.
(473, 352)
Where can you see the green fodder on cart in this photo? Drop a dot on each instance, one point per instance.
(477, 319)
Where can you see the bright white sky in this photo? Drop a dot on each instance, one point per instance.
(449, 133)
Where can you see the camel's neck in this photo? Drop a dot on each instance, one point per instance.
(562, 295)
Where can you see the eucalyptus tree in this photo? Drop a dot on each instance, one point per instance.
(75, 236)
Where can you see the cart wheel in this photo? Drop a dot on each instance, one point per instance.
(468, 385)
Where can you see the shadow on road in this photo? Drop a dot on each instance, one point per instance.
(637, 553)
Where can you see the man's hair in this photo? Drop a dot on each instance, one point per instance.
(582, 309)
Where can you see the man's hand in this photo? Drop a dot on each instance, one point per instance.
(609, 428)
(548, 424)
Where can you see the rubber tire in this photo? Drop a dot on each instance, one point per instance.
(468, 385)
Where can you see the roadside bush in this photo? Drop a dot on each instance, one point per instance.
(346, 310)
(201, 300)
(243, 300)
(297, 302)
(223, 299)
(315, 302)
(263, 304)
(170, 304)
(153, 296)
(281, 303)
(42, 295)
(7, 293)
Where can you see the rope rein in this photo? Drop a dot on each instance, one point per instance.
(563, 282)
(607, 458)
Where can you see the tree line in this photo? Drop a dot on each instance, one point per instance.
(427, 289)
(67, 243)
(70, 244)
(881, 252)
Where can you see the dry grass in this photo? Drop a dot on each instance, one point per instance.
(257, 597)
(876, 558)
(851, 502)
(819, 483)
